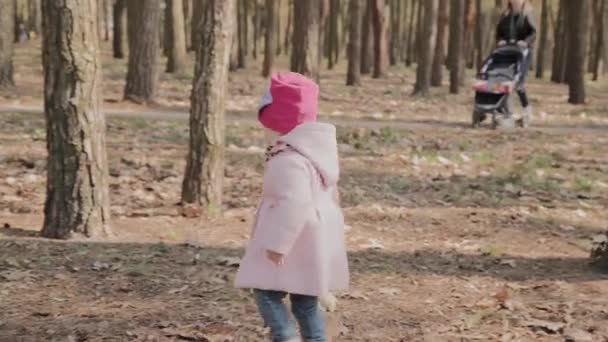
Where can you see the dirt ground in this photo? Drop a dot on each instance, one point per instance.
(453, 234)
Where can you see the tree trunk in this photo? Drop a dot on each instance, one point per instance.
(560, 49)
(426, 48)
(479, 35)
(599, 39)
(197, 15)
(257, 22)
(142, 74)
(305, 40)
(367, 40)
(595, 23)
(204, 174)
(242, 33)
(288, 29)
(577, 36)
(188, 23)
(176, 62)
(543, 41)
(395, 42)
(605, 35)
(270, 38)
(277, 25)
(333, 42)
(379, 21)
(440, 45)
(353, 76)
(456, 44)
(418, 33)
(410, 34)
(323, 12)
(7, 40)
(119, 17)
(469, 28)
(404, 32)
(34, 19)
(77, 200)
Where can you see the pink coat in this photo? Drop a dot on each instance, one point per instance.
(300, 218)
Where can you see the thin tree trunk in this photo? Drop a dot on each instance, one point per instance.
(277, 28)
(605, 34)
(426, 48)
(34, 18)
(577, 36)
(559, 51)
(288, 29)
(142, 74)
(257, 20)
(323, 13)
(353, 76)
(203, 180)
(410, 35)
(479, 34)
(543, 41)
(599, 39)
(456, 44)
(270, 38)
(197, 15)
(404, 32)
(334, 39)
(367, 41)
(595, 23)
(7, 41)
(176, 62)
(77, 200)
(443, 19)
(418, 33)
(119, 16)
(188, 23)
(305, 40)
(241, 33)
(469, 29)
(379, 23)
(395, 42)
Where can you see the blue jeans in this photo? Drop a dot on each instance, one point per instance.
(305, 309)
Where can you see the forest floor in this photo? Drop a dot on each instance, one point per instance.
(453, 234)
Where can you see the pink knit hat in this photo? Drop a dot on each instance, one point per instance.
(292, 100)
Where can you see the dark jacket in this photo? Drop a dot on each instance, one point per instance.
(516, 27)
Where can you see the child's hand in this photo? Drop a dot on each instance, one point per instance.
(276, 258)
(502, 43)
(522, 44)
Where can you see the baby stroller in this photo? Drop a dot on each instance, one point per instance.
(499, 76)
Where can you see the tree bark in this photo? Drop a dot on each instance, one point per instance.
(204, 173)
(142, 74)
(605, 35)
(379, 23)
(479, 35)
(577, 36)
(561, 45)
(404, 32)
(443, 19)
(257, 22)
(242, 33)
(456, 44)
(34, 19)
(425, 49)
(333, 42)
(119, 17)
(323, 13)
(395, 42)
(543, 40)
(288, 29)
(176, 63)
(270, 38)
(595, 23)
(197, 15)
(305, 39)
(367, 39)
(7, 40)
(77, 200)
(188, 23)
(410, 34)
(469, 29)
(599, 38)
(353, 76)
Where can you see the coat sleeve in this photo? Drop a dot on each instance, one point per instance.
(288, 191)
(531, 30)
(500, 30)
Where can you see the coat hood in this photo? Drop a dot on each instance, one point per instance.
(317, 142)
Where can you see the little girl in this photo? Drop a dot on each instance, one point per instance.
(297, 245)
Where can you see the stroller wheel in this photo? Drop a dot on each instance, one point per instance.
(477, 119)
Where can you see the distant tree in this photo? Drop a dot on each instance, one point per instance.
(203, 179)
(177, 44)
(411, 32)
(197, 16)
(142, 73)
(333, 38)
(577, 36)
(243, 32)
(440, 45)
(7, 35)
(353, 76)
(560, 51)
(269, 45)
(119, 17)
(77, 201)
(605, 34)
(379, 21)
(367, 39)
(543, 39)
(598, 42)
(395, 39)
(456, 44)
(426, 48)
(305, 39)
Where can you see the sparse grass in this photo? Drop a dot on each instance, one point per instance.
(491, 251)
(583, 184)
